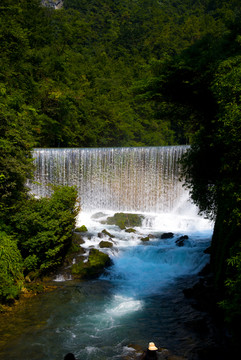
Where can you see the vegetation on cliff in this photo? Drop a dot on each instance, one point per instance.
(119, 73)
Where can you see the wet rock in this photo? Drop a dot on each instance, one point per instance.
(82, 228)
(137, 352)
(204, 296)
(205, 271)
(95, 266)
(130, 230)
(105, 244)
(77, 238)
(167, 235)
(208, 250)
(181, 240)
(101, 235)
(197, 325)
(145, 239)
(124, 220)
(98, 215)
(105, 232)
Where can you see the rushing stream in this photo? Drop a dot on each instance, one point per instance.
(140, 298)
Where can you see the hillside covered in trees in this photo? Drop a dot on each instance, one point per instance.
(119, 73)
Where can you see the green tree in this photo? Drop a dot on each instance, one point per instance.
(44, 229)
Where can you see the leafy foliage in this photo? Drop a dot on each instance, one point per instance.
(44, 227)
(11, 268)
(74, 68)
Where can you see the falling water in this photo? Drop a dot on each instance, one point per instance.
(140, 298)
(127, 179)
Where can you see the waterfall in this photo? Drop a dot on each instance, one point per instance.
(121, 179)
(140, 297)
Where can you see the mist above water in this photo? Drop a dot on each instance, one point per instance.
(139, 298)
(119, 179)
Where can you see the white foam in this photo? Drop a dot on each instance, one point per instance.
(123, 305)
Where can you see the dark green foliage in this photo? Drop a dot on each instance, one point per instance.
(11, 268)
(15, 149)
(204, 80)
(120, 73)
(44, 229)
(75, 68)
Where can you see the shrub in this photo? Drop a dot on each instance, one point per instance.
(11, 268)
(44, 227)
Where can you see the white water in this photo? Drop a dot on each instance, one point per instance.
(126, 179)
(143, 269)
(139, 299)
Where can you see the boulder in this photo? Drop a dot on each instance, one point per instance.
(167, 235)
(95, 266)
(105, 232)
(124, 220)
(98, 215)
(82, 228)
(181, 240)
(105, 244)
(77, 238)
(130, 230)
(144, 239)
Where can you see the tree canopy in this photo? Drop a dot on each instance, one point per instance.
(119, 73)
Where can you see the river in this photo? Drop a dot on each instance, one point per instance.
(140, 298)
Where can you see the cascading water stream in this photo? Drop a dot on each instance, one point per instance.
(139, 299)
(126, 179)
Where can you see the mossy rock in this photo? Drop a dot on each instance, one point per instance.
(144, 239)
(82, 228)
(105, 244)
(95, 266)
(77, 238)
(105, 232)
(130, 230)
(124, 220)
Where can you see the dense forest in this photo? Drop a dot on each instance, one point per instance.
(119, 73)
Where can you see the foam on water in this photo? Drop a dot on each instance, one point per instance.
(143, 269)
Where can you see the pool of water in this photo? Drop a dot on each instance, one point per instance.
(139, 299)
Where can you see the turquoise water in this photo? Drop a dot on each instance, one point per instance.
(139, 299)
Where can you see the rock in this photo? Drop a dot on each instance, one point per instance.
(101, 235)
(105, 244)
(198, 325)
(82, 228)
(130, 230)
(105, 232)
(124, 220)
(77, 238)
(204, 296)
(95, 266)
(206, 271)
(181, 240)
(208, 250)
(144, 239)
(98, 215)
(55, 4)
(168, 235)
